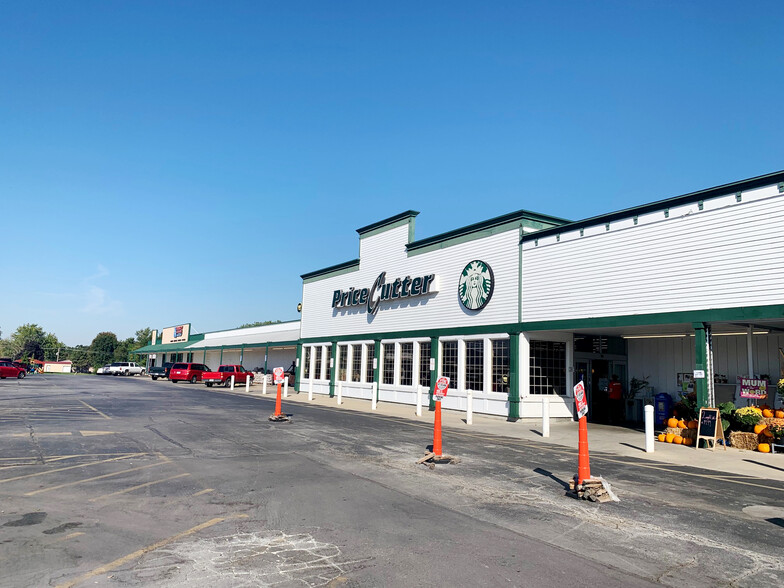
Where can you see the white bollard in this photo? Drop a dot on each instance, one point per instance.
(648, 428)
(232, 381)
(310, 390)
(373, 400)
(285, 386)
(264, 385)
(469, 407)
(545, 415)
(340, 392)
(247, 385)
(419, 401)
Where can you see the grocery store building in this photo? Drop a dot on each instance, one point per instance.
(686, 292)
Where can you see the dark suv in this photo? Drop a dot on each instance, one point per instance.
(161, 371)
(190, 372)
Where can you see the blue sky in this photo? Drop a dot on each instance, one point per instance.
(169, 162)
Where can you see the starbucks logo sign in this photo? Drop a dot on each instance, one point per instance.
(476, 285)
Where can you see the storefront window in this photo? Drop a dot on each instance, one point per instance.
(548, 367)
(406, 364)
(371, 354)
(190, 358)
(356, 363)
(388, 373)
(424, 364)
(449, 362)
(318, 351)
(306, 367)
(501, 365)
(327, 367)
(342, 362)
(475, 365)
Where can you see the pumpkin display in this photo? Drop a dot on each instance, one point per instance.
(682, 424)
(756, 409)
(693, 424)
(763, 448)
(759, 428)
(780, 414)
(672, 423)
(661, 437)
(678, 440)
(688, 441)
(669, 437)
(768, 433)
(767, 413)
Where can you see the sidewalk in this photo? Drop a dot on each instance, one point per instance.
(602, 439)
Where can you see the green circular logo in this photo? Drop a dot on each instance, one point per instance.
(476, 285)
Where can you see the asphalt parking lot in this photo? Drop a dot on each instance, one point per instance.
(124, 481)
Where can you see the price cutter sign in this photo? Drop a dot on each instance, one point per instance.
(580, 400)
(278, 375)
(442, 385)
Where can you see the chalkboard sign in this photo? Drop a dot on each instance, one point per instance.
(710, 428)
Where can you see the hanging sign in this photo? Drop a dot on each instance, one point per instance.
(709, 428)
(753, 388)
(442, 385)
(580, 400)
(278, 375)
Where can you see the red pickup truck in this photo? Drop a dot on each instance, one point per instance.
(224, 374)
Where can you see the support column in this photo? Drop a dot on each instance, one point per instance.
(377, 361)
(434, 352)
(514, 377)
(221, 357)
(242, 353)
(298, 368)
(266, 355)
(700, 363)
(333, 368)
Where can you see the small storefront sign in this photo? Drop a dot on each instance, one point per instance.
(753, 388)
(442, 386)
(580, 400)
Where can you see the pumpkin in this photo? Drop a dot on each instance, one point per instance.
(693, 424)
(763, 448)
(688, 441)
(661, 437)
(767, 432)
(682, 424)
(780, 414)
(759, 428)
(756, 409)
(669, 437)
(767, 413)
(672, 423)
(678, 440)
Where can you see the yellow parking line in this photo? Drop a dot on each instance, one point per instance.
(94, 433)
(68, 536)
(96, 410)
(81, 465)
(103, 477)
(137, 554)
(132, 488)
(205, 491)
(42, 435)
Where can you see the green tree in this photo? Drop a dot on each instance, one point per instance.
(259, 324)
(51, 345)
(80, 356)
(123, 350)
(143, 337)
(103, 348)
(27, 342)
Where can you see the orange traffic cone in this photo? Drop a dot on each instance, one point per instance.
(437, 430)
(583, 461)
(277, 404)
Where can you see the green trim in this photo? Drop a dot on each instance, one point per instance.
(346, 267)
(661, 205)
(221, 357)
(493, 226)
(166, 347)
(388, 223)
(444, 332)
(298, 368)
(514, 377)
(266, 356)
(434, 353)
(520, 279)
(400, 223)
(333, 369)
(377, 369)
(701, 363)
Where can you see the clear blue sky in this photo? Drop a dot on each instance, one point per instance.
(169, 162)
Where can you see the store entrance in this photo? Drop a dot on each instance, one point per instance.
(596, 375)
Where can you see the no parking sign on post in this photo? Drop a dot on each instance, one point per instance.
(580, 400)
(442, 385)
(278, 375)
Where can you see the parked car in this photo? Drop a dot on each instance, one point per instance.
(187, 372)
(9, 370)
(223, 376)
(125, 368)
(160, 371)
(103, 371)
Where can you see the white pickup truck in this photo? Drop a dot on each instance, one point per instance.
(125, 368)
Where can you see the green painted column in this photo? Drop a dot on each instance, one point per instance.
(377, 369)
(221, 357)
(266, 355)
(514, 377)
(334, 369)
(298, 368)
(242, 353)
(204, 357)
(700, 363)
(434, 373)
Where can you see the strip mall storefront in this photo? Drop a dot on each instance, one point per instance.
(689, 289)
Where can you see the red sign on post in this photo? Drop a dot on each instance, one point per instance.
(580, 400)
(442, 385)
(278, 375)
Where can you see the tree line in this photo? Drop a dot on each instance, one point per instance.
(30, 341)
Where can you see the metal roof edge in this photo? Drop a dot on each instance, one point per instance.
(388, 221)
(330, 269)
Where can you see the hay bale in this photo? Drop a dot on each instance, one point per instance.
(741, 440)
(689, 433)
(772, 422)
(675, 431)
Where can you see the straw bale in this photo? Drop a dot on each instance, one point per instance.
(675, 431)
(772, 422)
(741, 440)
(689, 433)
